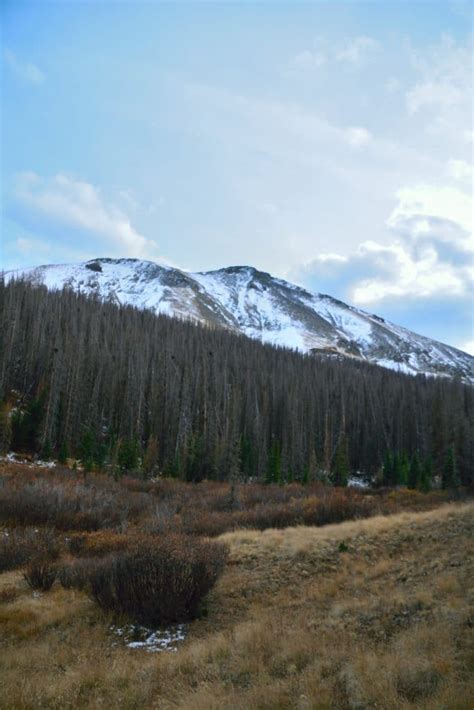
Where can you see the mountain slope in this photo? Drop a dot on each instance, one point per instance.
(254, 303)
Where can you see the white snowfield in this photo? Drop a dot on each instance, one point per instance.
(260, 306)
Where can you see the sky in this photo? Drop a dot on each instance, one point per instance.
(328, 143)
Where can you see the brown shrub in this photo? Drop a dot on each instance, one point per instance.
(76, 574)
(97, 544)
(8, 595)
(160, 582)
(67, 500)
(21, 545)
(40, 575)
(93, 502)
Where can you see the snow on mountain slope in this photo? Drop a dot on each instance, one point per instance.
(260, 306)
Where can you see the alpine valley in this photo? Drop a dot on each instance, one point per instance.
(258, 305)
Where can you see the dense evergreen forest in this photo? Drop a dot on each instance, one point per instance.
(115, 386)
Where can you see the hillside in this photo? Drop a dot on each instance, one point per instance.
(254, 303)
(370, 613)
(120, 387)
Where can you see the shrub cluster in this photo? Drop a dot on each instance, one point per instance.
(97, 504)
(21, 545)
(77, 574)
(40, 575)
(67, 501)
(96, 544)
(157, 582)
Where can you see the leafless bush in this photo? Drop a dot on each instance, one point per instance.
(20, 545)
(67, 501)
(40, 575)
(160, 582)
(8, 595)
(76, 574)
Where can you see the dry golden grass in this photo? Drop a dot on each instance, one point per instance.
(374, 613)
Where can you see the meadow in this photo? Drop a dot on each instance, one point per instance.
(321, 597)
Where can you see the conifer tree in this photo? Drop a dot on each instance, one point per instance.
(305, 478)
(5, 428)
(63, 453)
(397, 473)
(449, 476)
(388, 469)
(274, 465)
(414, 472)
(47, 451)
(150, 460)
(426, 475)
(128, 455)
(404, 469)
(86, 450)
(340, 467)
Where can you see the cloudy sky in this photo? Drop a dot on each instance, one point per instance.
(328, 143)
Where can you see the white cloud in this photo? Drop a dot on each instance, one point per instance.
(442, 90)
(468, 347)
(70, 202)
(430, 254)
(358, 137)
(393, 85)
(332, 259)
(357, 50)
(413, 273)
(308, 60)
(24, 70)
(430, 93)
(460, 170)
(419, 204)
(31, 247)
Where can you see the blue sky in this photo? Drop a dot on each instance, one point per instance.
(329, 143)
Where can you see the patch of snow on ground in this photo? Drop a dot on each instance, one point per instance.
(136, 636)
(11, 457)
(357, 483)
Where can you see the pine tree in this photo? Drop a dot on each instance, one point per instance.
(150, 460)
(414, 473)
(274, 465)
(128, 455)
(63, 453)
(397, 473)
(5, 428)
(340, 467)
(305, 478)
(100, 454)
(404, 469)
(388, 469)
(426, 475)
(26, 426)
(449, 476)
(86, 450)
(47, 451)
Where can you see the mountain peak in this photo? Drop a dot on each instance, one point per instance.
(254, 303)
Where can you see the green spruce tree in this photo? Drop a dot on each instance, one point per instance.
(340, 467)
(63, 453)
(426, 475)
(449, 476)
(414, 472)
(5, 428)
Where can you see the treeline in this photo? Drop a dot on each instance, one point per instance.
(119, 387)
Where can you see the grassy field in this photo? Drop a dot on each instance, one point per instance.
(363, 614)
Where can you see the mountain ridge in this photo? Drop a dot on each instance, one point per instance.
(247, 300)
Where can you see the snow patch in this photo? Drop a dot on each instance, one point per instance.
(153, 641)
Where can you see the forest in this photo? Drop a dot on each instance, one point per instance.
(126, 390)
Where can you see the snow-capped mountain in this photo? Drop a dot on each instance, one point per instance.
(254, 303)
